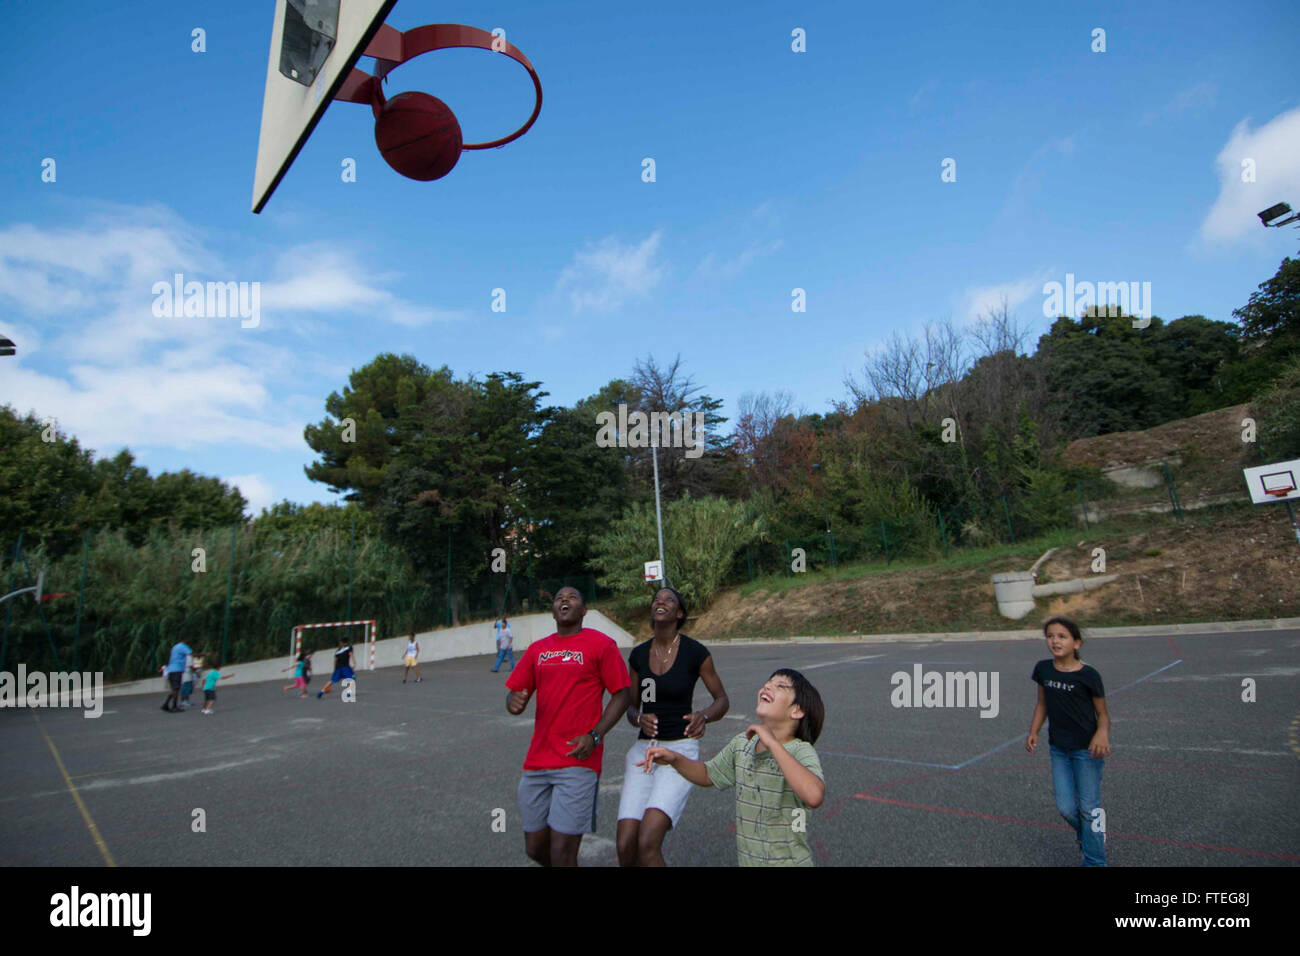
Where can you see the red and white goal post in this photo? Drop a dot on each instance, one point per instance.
(369, 638)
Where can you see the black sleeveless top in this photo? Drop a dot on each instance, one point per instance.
(672, 692)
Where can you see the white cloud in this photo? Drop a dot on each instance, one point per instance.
(256, 489)
(1030, 176)
(1275, 149)
(607, 273)
(91, 353)
(980, 300)
(916, 100)
(1199, 95)
(320, 278)
(175, 403)
(727, 269)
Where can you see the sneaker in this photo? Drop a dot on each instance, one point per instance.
(320, 694)
(419, 680)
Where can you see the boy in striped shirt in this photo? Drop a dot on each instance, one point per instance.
(774, 768)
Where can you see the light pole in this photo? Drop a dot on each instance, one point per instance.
(659, 521)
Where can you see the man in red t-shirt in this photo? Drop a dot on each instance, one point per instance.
(571, 670)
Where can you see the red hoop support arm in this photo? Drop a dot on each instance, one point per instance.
(391, 49)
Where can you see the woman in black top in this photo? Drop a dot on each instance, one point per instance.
(664, 671)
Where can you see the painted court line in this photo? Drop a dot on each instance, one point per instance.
(990, 752)
(914, 763)
(85, 814)
(846, 660)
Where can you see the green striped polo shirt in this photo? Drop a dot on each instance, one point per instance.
(769, 832)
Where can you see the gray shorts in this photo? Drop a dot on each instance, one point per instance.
(563, 799)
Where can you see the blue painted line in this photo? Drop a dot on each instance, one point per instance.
(1001, 746)
(914, 763)
(1152, 674)
(989, 753)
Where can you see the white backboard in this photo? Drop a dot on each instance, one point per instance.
(290, 110)
(654, 571)
(1263, 478)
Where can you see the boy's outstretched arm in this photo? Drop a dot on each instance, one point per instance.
(693, 770)
(807, 786)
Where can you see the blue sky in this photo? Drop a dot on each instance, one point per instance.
(775, 170)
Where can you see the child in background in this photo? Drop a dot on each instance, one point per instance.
(1072, 700)
(412, 659)
(191, 675)
(774, 768)
(299, 671)
(210, 688)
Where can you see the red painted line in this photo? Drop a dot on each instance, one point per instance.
(1061, 826)
(1174, 646)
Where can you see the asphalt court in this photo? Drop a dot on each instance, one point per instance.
(411, 774)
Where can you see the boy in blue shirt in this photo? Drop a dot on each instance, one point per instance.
(210, 688)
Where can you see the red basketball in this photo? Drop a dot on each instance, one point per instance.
(419, 136)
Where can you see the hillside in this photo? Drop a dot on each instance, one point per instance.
(1224, 560)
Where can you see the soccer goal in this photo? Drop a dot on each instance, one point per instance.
(367, 638)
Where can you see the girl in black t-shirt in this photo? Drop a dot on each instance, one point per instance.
(664, 671)
(1072, 700)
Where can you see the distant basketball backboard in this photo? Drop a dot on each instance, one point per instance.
(314, 46)
(1276, 482)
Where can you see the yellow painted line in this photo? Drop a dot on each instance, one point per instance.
(85, 814)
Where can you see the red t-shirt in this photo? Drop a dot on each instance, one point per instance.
(570, 676)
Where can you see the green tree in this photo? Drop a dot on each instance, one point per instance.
(701, 540)
(1101, 376)
(1273, 310)
(45, 487)
(381, 401)
(573, 489)
(1277, 413)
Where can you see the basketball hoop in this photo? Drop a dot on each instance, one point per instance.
(1278, 492)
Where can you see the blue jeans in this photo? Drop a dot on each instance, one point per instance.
(501, 656)
(1076, 782)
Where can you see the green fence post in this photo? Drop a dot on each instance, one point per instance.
(9, 605)
(1007, 510)
(943, 533)
(884, 537)
(449, 580)
(785, 561)
(749, 563)
(352, 559)
(230, 584)
(835, 565)
(1083, 504)
(81, 599)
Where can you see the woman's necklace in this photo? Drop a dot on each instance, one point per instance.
(665, 655)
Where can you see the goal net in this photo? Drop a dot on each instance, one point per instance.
(368, 637)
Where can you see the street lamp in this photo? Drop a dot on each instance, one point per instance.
(1276, 212)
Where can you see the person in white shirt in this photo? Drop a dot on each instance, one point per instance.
(505, 641)
(412, 656)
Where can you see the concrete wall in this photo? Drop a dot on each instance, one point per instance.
(469, 640)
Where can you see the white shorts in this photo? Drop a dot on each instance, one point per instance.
(665, 789)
